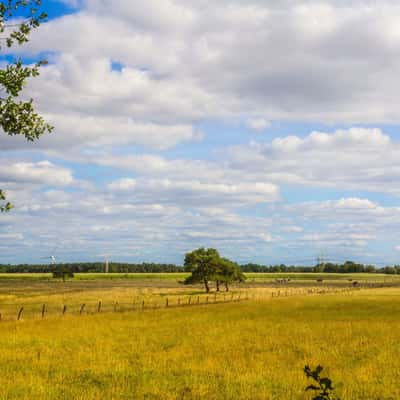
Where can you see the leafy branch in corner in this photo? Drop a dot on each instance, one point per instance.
(7, 206)
(18, 117)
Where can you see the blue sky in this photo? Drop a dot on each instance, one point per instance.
(268, 131)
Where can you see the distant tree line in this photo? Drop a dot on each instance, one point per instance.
(346, 267)
(83, 267)
(91, 267)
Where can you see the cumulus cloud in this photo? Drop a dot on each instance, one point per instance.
(132, 75)
(196, 192)
(345, 228)
(258, 124)
(356, 158)
(11, 236)
(42, 172)
(184, 61)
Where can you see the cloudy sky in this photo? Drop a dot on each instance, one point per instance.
(266, 129)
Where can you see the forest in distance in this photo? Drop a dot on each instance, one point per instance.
(115, 267)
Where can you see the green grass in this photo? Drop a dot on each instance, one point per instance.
(174, 276)
(24, 275)
(253, 350)
(31, 291)
(321, 275)
(136, 276)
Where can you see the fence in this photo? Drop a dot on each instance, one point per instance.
(43, 310)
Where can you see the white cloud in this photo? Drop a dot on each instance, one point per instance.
(184, 61)
(11, 236)
(292, 229)
(356, 158)
(197, 192)
(135, 74)
(42, 172)
(258, 124)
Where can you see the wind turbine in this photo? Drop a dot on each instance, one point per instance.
(106, 257)
(52, 256)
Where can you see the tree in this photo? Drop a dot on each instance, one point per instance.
(202, 263)
(18, 117)
(228, 272)
(62, 272)
(207, 265)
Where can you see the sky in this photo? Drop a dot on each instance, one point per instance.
(265, 129)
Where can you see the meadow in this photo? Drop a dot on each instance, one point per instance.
(255, 349)
(116, 291)
(174, 276)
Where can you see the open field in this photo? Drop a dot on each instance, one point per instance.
(249, 350)
(254, 349)
(116, 292)
(177, 276)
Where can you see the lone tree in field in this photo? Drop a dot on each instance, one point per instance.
(228, 272)
(202, 263)
(18, 117)
(207, 265)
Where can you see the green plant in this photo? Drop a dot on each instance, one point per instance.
(18, 117)
(322, 385)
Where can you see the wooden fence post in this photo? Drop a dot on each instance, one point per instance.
(64, 309)
(99, 307)
(43, 310)
(198, 299)
(166, 302)
(82, 308)
(207, 300)
(179, 301)
(20, 313)
(189, 300)
(142, 304)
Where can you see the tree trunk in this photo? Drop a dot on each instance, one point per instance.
(217, 283)
(206, 286)
(226, 286)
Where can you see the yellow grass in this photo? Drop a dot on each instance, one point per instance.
(251, 350)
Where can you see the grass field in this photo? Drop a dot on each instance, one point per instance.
(128, 291)
(250, 350)
(175, 276)
(255, 349)
(32, 291)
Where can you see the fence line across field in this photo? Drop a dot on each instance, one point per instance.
(44, 309)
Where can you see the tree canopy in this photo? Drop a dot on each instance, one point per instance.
(18, 117)
(207, 265)
(228, 271)
(202, 264)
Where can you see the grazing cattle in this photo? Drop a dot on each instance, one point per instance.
(355, 283)
(320, 280)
